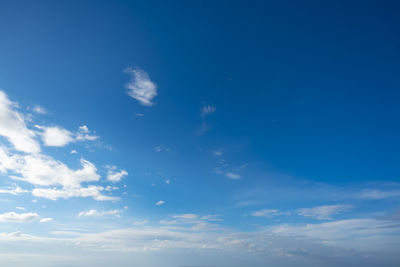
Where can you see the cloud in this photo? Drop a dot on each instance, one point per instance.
(39, 110)
(265, 213)
(18, 217)
(42, 170)
(140, 87)
(232, 175)
(78, 191)
(217, 153)
(161, 202)
(13, 127)
(161, 148)
(115, 176)
(374, 194)
(168, 181)
(323, 212)
(96, 213)
(207, 110)
(84, 134)
(16, 190)
(45, 220)
(56, 136)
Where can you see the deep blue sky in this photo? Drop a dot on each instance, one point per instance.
(304, 99)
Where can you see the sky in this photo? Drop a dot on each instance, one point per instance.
(199, 133)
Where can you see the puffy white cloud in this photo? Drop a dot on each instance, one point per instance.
(323, 212)
(232, 175)
(159, 203)
(56, 136)
(140, 87)
(115, 176)
(18, 217)
(14, 128)
(97, 213)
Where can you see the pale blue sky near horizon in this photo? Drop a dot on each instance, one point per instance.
(234, 133)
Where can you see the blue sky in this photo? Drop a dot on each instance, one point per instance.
(199, 133)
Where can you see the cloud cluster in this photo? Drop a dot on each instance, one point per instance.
(52, 178)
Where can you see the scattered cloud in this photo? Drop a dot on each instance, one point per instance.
(45, 220)
(374, 194)
(115, 176)
(14, 128)
(207, 110)
(18, 217)
(162, 148)
(56, 136)
(96, 213)
(217, 153)
(265, 213)
(161, 202)
(232, 175)
(73, 152)
(39, 110)
(140, 87)
(16, 190)
(323, 212)
(84, 134)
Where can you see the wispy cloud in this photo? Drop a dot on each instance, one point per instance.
(115, 176)
(18, 217)
(140, 87)
(14, 128)
(265, 213)
(96, 213)
(161, 202)
(39, 110)
(378, 194)
(207, 110)
(233, 175)
(323, 212)
(16, 190)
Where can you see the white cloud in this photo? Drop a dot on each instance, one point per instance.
(20, 208)
(232, 175)
(207, 110)
(84, 134)
(115, 176)
(16, 190)
(161, 202)
(168, 181)
(56, 136)
(39, 110)
(45, 220)
(265, 213)
(97, 213)
(73, 152)
(42, 170)
(13, 127)
(378, 194)
(140, 87)
(18, 217)
(323, 212)
(68, 192)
